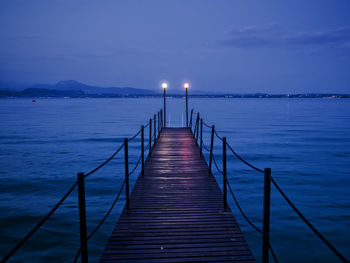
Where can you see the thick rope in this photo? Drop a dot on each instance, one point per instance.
(101, 222)
(105, 162)
(249, 221)
(216, 165)
(242, 212)
(217, 135)
(308, 223)
(42, 221)
(244, 161)
(133, 137)
(207, 125)
(205, 147)
(136, 165)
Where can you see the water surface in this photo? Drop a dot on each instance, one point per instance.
(43, 145)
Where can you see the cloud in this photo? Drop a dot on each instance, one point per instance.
(274, 36)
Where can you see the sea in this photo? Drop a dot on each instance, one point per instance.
(44, 144)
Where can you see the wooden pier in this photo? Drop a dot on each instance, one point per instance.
(176, 211)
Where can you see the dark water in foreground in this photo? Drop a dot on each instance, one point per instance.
(43, 145)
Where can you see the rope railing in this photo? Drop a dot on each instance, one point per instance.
(249, 221)
(244, 161)
(146, 125)
(268, 179)
(136, 165)
(234, 197)
(42, 221)
(241, 210)
(207, 125)
(308, 223)
(82, 251)
(216, 165)
(101, 222)
(105, 162)
(217, 135)
(205, 147)
(148, 144)
(133, 137)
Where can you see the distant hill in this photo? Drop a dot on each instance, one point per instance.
(34, 92)
(87, 89)
(72, 85)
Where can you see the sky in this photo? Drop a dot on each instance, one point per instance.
(236, 46)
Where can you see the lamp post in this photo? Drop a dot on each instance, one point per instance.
(186, 86)
(164, 86)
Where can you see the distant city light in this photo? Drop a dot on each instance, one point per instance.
(186, 85)
(164, 85)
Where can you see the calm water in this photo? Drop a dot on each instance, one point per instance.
(44, 144)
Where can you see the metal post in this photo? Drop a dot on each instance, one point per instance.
(191, 120)
(194, 130)
(186, 109)
(126, 161)
(142, 150)
(158, 124)
(197, 131)
(211, 148)
(150, 137)
(82, 218)
(164, 110)
(201, 144)
(266, 220)
(154, 129)
(224, 170)
(161, 118)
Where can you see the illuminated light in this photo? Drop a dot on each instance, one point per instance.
(186, 85)
(164, 85)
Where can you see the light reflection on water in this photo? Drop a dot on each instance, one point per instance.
(44, 144)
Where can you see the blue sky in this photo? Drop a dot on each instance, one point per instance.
(231, 46)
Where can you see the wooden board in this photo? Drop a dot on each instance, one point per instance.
(176, 211)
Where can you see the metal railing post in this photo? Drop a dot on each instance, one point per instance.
(266, 220)
(126, 161)
(142, 150)
(197, 131)
(194, 130)
(161, 118)
(201, 140)
(224, 170)
(150, 137)
(191, 119)
(158, 124)
(211, 148)
(82, 218)
(154, 129)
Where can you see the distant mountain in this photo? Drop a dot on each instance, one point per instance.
(87, 89)
(33, 92)
(72, 85)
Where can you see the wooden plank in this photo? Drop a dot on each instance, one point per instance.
(176, 211)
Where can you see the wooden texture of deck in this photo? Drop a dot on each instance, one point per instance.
(176, 211)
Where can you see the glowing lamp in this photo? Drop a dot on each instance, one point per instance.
(164, 85)
(186, 85)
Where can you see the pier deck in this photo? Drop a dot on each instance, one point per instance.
(176, 211)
